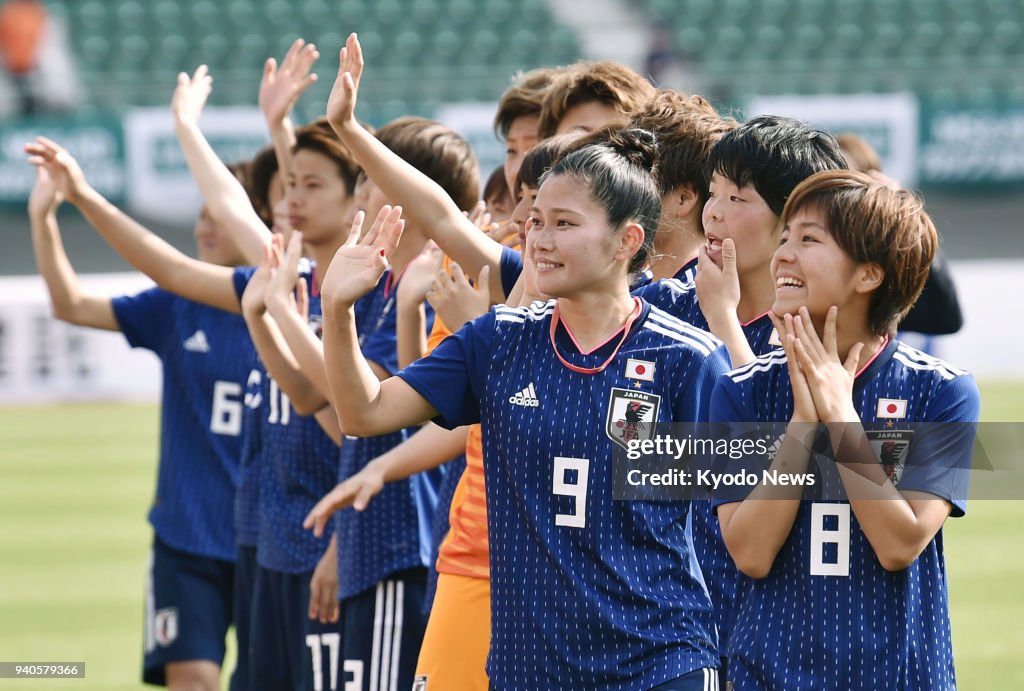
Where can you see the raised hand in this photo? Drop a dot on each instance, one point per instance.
(302, 298)
(506, 232)
(279, 291)
(253, 298)
(455, 300)
(360, 262)
(419, 275)
(61, 167)
(829, 378)
(190, 95)
(281, 87)
(341, 104)
(357, 491)
(718, 289)
(45, 197)
(804, 410)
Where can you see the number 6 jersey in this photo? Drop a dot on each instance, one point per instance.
(828, 616)
(586, 591)
(206, 355)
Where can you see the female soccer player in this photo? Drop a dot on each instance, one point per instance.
(846, 589)
(206, 355)
(586, 592)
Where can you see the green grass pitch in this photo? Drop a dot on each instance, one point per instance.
(75, 482)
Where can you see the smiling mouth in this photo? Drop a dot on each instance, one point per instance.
(714, 245)
(788, 282)
(546, 265)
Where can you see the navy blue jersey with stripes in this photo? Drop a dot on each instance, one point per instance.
(687, 272)
(299, 466)
(247, 497)
(586, 591)
(206, 354)
(828, 616)
(453, 470)
(394, 532)
(247, 494)
(678, 297)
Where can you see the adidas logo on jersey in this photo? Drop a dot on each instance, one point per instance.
(197, 343)
(526, 398)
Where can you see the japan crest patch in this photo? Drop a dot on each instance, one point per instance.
(891, 447)
(631, 416)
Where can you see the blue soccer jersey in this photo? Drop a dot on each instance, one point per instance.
(394, 532)
(828, 616)
(205, 354)
(299, 466)
(586, 591)
(678, 297)
(247, 496)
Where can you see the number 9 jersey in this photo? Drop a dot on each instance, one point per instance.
(586, 591)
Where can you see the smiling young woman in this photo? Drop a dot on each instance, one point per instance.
(572, 570)
(863, 562)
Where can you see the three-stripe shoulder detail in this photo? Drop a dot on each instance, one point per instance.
(915, 359)
(764, 363)
(665, 324)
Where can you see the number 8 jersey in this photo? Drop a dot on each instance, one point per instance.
(586, 591)
(828, 616)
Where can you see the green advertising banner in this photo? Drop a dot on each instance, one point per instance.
(97, 143)
(972, 146)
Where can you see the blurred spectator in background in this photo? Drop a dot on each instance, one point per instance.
(673, 66)
(937, 311)
(39, 74)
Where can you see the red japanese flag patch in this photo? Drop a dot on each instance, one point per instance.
(891, 408)
(640, 369)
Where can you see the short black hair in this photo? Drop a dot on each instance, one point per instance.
(774, 154)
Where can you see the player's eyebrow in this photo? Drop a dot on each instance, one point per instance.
(804, 224)
(557, 210)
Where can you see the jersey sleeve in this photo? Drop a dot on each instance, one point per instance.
(241, 277)
(511, 268)
(144, 318)
(695, 406)
(381, 346)
(728, 416)
(939, 460)
(453, 377)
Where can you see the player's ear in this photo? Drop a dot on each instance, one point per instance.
(869, 277)
(685, 199)
(630, 241)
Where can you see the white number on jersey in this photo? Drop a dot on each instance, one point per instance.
(355, 668)
(578, 519)
(280, 406)
(840, 537)
(315, 644)
(226, 417)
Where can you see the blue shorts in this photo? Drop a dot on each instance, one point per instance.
(384, 628)
(287, 649)
(245, 580)
(188, 610)
(698, 680)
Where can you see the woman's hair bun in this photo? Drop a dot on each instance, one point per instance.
(639, 147)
